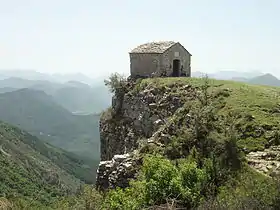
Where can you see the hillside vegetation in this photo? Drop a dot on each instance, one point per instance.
(256, 107)
(197, 157)
(32, 171)
(201, 161)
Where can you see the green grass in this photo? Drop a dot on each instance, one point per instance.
(255, 190)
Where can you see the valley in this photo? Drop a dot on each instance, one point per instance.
(64, 115)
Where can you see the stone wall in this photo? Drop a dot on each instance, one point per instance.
(153, 64)
(184, 57)
(144, 64)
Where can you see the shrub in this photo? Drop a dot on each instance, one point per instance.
(116, 83)
(119, 199)
(160, 180)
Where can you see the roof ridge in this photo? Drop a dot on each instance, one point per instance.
(154, 47)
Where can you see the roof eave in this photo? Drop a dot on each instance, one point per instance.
(145, 52)
(184, 48)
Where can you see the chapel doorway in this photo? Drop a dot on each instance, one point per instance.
(176, 68)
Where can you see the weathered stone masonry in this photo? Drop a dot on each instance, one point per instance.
(157, 59)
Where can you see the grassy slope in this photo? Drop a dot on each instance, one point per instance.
(30, 169)
(260, 103)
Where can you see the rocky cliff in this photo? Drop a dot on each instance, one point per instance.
(143, 114)
(148, 114)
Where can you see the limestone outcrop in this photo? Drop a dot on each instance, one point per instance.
(267, 161)
(146, 117)
(142, 116)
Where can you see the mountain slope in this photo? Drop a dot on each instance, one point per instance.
(37, 113)
(29, 168)
(266, 79)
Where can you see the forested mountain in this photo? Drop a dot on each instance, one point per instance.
(38, 113)
(30, 168)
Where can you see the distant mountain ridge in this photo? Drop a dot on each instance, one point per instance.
(247, 77)
(266, 79)
(72, 95)
(35, 75)
(39, 114)
(228, 75)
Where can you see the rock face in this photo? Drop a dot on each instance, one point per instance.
(141, 115)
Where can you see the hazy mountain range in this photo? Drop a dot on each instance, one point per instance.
(59, 78)
(75, 92)
(257, 78)
(228, 75)
(61, 112)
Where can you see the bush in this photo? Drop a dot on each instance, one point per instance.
(116, 83)
(119, 199)
(160, 180)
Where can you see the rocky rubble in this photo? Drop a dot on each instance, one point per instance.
(116, 172)
(267, 161)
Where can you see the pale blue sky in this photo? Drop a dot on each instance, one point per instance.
(94, 37)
